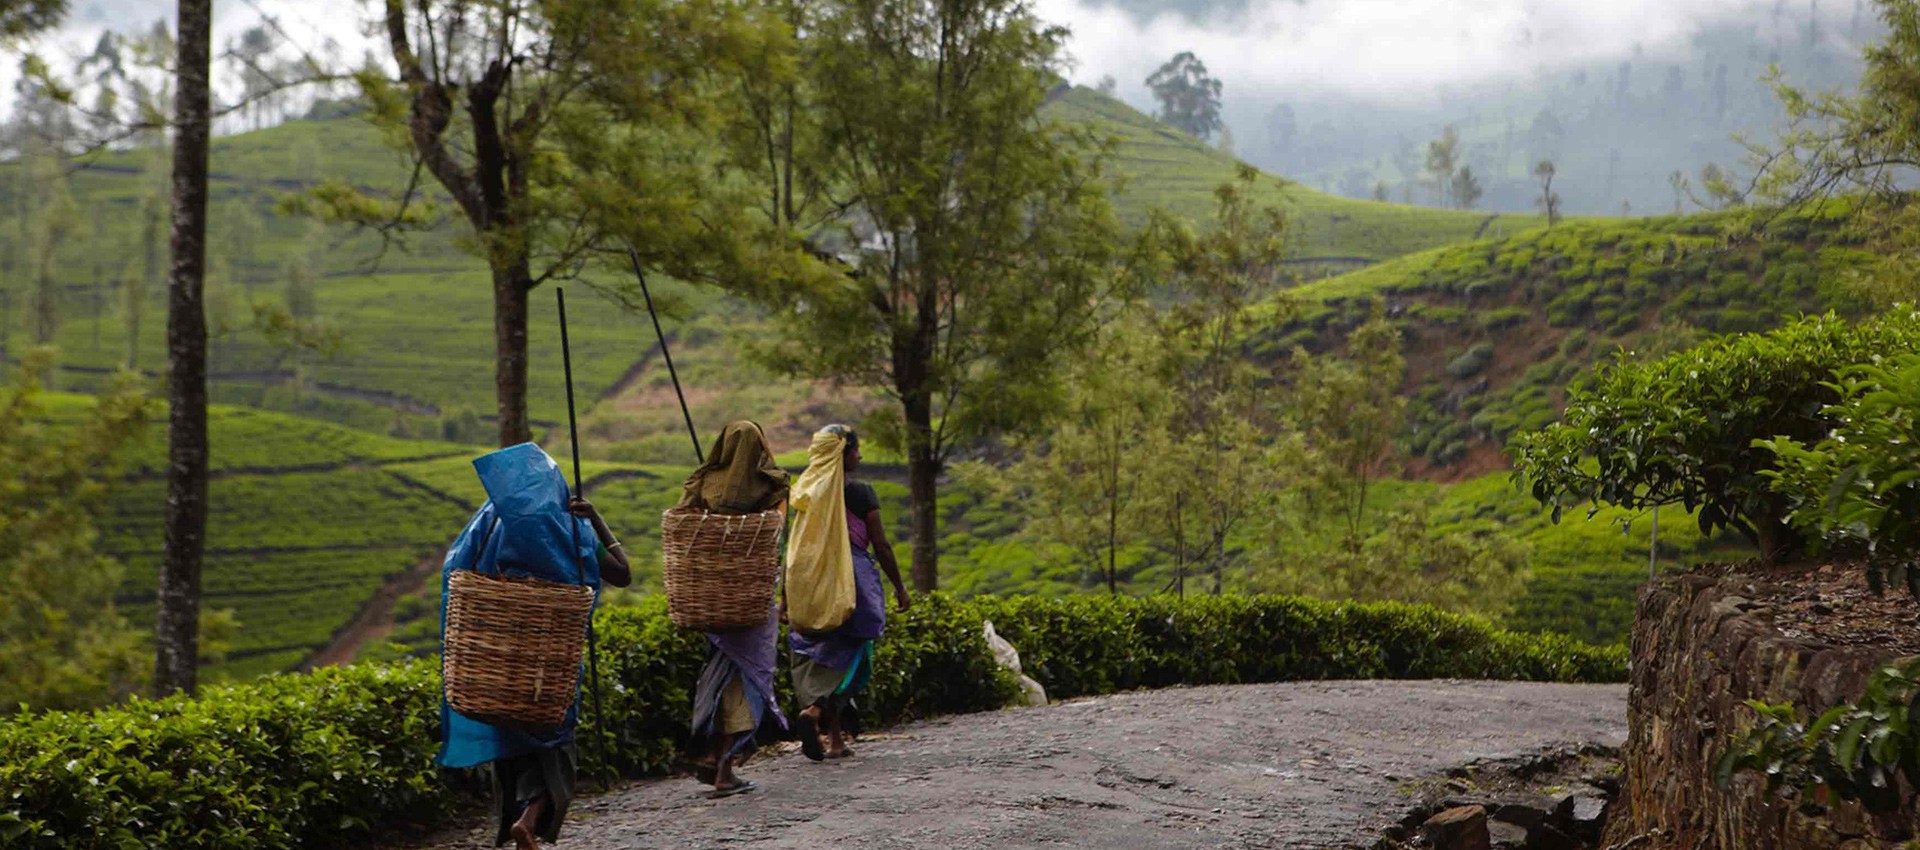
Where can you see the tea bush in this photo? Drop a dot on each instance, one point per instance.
(1858, 489)
(1860, 752)
(1682, 429)
(322, 759)
(1094, 645)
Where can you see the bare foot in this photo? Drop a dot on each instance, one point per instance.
(523, 838)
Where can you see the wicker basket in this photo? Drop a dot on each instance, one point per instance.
(513, 648)
(720, 570)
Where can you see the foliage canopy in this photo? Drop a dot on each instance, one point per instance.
(62, 643)
(1858, 488)
(1683, 429)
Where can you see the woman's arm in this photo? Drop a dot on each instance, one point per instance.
(614, 569)
(883, 552)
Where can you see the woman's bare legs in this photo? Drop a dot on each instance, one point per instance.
(528, 824)
(810, 725)
(723, 762)
(836, 736)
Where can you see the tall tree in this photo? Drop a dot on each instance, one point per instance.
(974, 233)
(250, 54)
(487, 90)
(1351, 409)
(1189, 96)
(62, 644)
(177, 620)
(1466, 189)
(149, 271)
(1222, 463)
(1549, 202)
(1083, 476)
(1443, 160)
(1861, 144)
(474, 57)
(56, 218)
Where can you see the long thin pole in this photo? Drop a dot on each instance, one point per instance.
(566, 362)
(579, 488)
(634, 256)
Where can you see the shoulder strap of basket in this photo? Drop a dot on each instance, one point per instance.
(486, 537)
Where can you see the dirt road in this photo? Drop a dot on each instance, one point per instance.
(1299, 765)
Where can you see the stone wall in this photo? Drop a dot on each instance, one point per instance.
(1703, 643)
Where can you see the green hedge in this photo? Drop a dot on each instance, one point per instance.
(1092, 645)
(320, 759)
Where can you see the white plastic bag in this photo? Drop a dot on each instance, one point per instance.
(1009, 658)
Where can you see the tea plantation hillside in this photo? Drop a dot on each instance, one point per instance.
(416, 315)
(1496, 329)
(330, 514)
(311, 521)
(1165, 168)
(324, 540)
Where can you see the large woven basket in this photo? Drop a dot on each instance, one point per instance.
(719, 569)
(513, 648)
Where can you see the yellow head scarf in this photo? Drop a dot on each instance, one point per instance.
(820, 590)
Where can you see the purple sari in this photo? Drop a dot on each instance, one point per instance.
(845, 646)
(749, 657)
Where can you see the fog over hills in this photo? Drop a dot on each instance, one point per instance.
(1344, 94)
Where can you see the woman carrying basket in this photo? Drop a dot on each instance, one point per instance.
(833, 597)
(734, 698)
(528, 528)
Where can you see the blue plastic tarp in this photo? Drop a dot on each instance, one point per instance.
(524, 530)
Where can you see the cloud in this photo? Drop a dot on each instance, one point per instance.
(1396, 51)
(1388, 52)
(317, 26)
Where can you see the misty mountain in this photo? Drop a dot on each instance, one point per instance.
(1616, 128)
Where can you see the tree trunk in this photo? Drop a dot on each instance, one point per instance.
(177, 626)
(510, 287)
(1113, 550)
(923, 475)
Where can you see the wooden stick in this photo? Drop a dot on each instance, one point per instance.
(579, 489)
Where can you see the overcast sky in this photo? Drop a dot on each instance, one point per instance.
(1401, 50)
(1381, 50)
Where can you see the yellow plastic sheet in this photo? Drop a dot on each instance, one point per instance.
(819, 580)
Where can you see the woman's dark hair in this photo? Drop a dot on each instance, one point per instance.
(847, 433)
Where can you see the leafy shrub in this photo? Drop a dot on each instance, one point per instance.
(296, 760)
(1090, 645)
(1682, 429)
(1472, 362)
(1854, 750)
(320, 759)
(63, 642)
(1505, 317)
(1859, 488)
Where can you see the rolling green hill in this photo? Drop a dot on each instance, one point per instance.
(416, 314)
(1165, 168)
(339, 479)
(1495, 329)
(312, 522)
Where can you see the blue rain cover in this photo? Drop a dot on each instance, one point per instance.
(522, 530)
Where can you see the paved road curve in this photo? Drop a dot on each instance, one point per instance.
(1299, 765)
